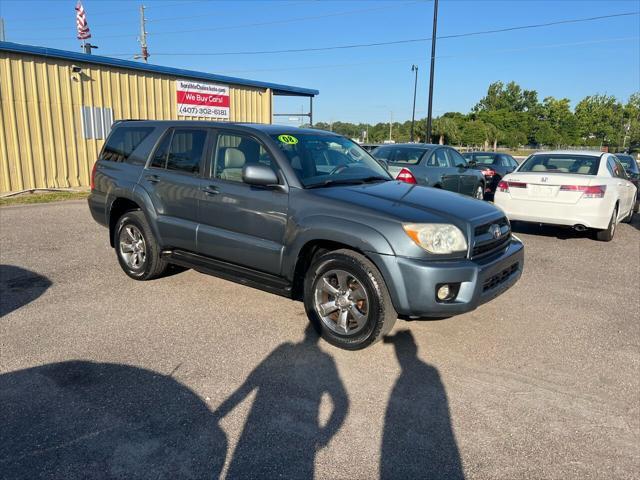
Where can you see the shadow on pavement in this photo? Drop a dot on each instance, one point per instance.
(283, 432)
(19, 287)
(561, 233)
(418, 441)
(84, 420)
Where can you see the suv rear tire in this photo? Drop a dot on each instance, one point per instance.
(347, 300)
(136, 247)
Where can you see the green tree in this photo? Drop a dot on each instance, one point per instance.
(556, 123)
(599, 120)
(446, 129)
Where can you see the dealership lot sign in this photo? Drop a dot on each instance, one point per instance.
(206, 100)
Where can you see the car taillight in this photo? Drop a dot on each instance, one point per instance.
(593, 191)
(93, 176)
(406, 176)
(489, 173)
(503, 186)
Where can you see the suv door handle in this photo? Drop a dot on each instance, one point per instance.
(152, 178)
(211, 190)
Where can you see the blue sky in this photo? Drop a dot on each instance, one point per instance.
(364, 84)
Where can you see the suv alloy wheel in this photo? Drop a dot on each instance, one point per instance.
(136, 247)
(347, 300)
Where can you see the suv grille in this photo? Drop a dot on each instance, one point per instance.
(485, 243)
(497, 279)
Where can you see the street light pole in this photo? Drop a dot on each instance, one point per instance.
(414, 68)
(433, 61)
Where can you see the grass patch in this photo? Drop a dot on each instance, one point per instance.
(42, 197)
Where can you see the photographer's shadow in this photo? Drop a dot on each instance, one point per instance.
(283, 432)
(418, 440)
(86, 420)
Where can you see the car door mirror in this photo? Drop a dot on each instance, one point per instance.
(261, 175)
(462, 165)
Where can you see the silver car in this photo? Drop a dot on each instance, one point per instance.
(436, 166)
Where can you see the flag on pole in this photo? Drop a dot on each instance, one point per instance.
(81, 22)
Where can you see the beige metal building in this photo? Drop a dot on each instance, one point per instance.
(57, 107)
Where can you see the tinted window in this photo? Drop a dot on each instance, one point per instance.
(123, 141)
(409, 155)
(187, 147)
(628, 162)
(575, 164)
(233, 152)
(485, 159)
(438, 159)
(455, 157)
(619, 169)
(159, 159)
(382, 153)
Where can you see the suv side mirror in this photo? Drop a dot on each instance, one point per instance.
(462, 165)
(259, 175)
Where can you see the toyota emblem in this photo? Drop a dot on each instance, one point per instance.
(495, 231)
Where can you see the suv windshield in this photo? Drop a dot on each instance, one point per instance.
(320, 160)
(575, 164)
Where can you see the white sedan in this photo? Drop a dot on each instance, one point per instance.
(580, 189)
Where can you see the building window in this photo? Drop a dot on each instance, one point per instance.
(96, 122)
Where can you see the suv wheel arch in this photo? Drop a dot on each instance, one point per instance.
(119, 207)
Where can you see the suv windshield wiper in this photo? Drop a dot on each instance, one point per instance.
(348, 181)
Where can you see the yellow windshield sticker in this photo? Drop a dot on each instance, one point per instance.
(288, 139)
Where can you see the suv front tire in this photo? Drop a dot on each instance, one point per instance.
(347, 300)
(136, 247)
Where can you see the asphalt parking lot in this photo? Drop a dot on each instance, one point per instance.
(190, 376)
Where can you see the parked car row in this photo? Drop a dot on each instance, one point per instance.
(584, 190)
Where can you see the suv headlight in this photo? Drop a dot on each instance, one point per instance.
(439, 238)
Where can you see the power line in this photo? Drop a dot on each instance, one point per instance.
(229, 27)
(396, 42)
(413, 59)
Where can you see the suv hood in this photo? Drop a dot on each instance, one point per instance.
(413, 203)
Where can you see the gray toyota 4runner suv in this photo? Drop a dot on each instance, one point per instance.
(303, 213)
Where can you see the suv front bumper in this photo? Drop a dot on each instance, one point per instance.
(412, 283)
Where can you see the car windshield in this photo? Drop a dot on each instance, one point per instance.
(485, 159)
(322, 160)
(627, 162)
(574, 164)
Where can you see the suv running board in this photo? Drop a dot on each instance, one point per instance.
(229, 271)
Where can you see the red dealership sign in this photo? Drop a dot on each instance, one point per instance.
(207, 100)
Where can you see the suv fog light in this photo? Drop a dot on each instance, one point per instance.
(447, 292)
(443, 292)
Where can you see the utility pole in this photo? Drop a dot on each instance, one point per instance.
(1, 29)
(433, 61)
(414, 68)
(390, 123)
(144, 52)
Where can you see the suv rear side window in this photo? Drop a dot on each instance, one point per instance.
(181, 150)
(123, 141)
